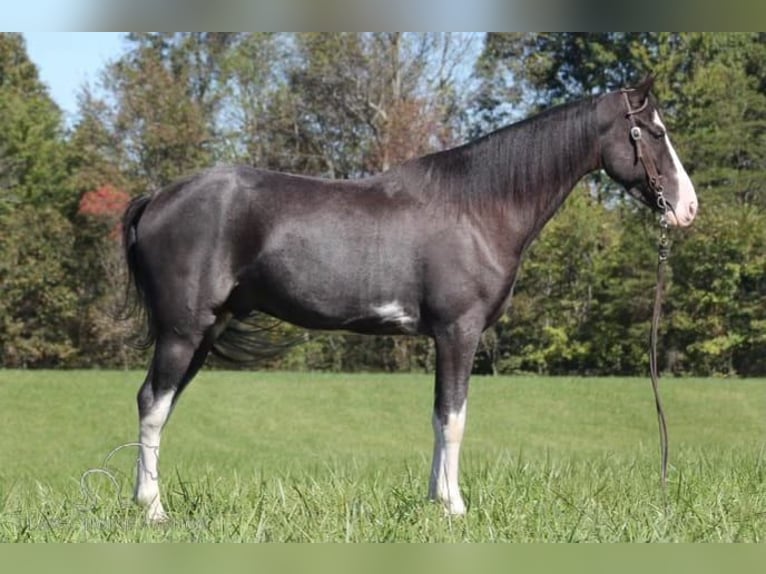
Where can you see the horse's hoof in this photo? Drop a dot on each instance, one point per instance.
(454, 509)
(156, 516)
(451, 507)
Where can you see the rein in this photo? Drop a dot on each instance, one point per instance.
(654, 180)
(663, 252)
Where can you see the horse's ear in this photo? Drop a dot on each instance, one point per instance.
(639, 94)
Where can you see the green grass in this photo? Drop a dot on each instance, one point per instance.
(325, 457)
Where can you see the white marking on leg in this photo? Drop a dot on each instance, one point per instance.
(393, 312)
(147, 474)
(444, 485)
(686, 204)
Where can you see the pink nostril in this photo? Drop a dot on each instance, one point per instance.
(692, 209)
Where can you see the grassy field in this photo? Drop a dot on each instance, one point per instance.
(321, 457)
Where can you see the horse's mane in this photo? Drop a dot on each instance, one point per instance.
(522, 162)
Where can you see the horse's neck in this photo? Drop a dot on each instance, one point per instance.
(523, 172)
(569, 155)
(551, 199)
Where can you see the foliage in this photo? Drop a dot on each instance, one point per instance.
(104, 336)
(105, 203)
(159, 117)
(38, 304)
(717, 324)
(32, 160)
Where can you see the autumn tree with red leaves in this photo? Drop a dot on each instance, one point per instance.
(105, 204)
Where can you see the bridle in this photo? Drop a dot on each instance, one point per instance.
(653, 175)
(654, 181)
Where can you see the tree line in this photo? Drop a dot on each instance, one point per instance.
(346, 105)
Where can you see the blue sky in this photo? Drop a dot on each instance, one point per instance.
(66, 60)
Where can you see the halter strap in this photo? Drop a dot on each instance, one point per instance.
(653, 176)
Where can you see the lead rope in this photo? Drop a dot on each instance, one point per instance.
(663, 252)
(654, 180)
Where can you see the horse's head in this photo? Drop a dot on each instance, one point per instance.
(637, 153)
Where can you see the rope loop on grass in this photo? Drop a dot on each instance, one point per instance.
(103, 470)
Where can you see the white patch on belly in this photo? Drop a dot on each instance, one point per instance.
(393, 313)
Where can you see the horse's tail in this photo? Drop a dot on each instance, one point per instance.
(253, 339)
(135, 291)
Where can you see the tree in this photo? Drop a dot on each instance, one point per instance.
(719, 305)
(38, 304)
(162, 109)
(353, 95)
(257, 117)
(32, 160)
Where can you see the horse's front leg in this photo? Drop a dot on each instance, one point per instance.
(455, 348)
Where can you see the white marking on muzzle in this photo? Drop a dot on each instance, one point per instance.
(685, 206)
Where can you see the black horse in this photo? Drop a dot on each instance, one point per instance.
(430, 247)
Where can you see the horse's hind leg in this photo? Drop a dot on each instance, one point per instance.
(176, 360)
